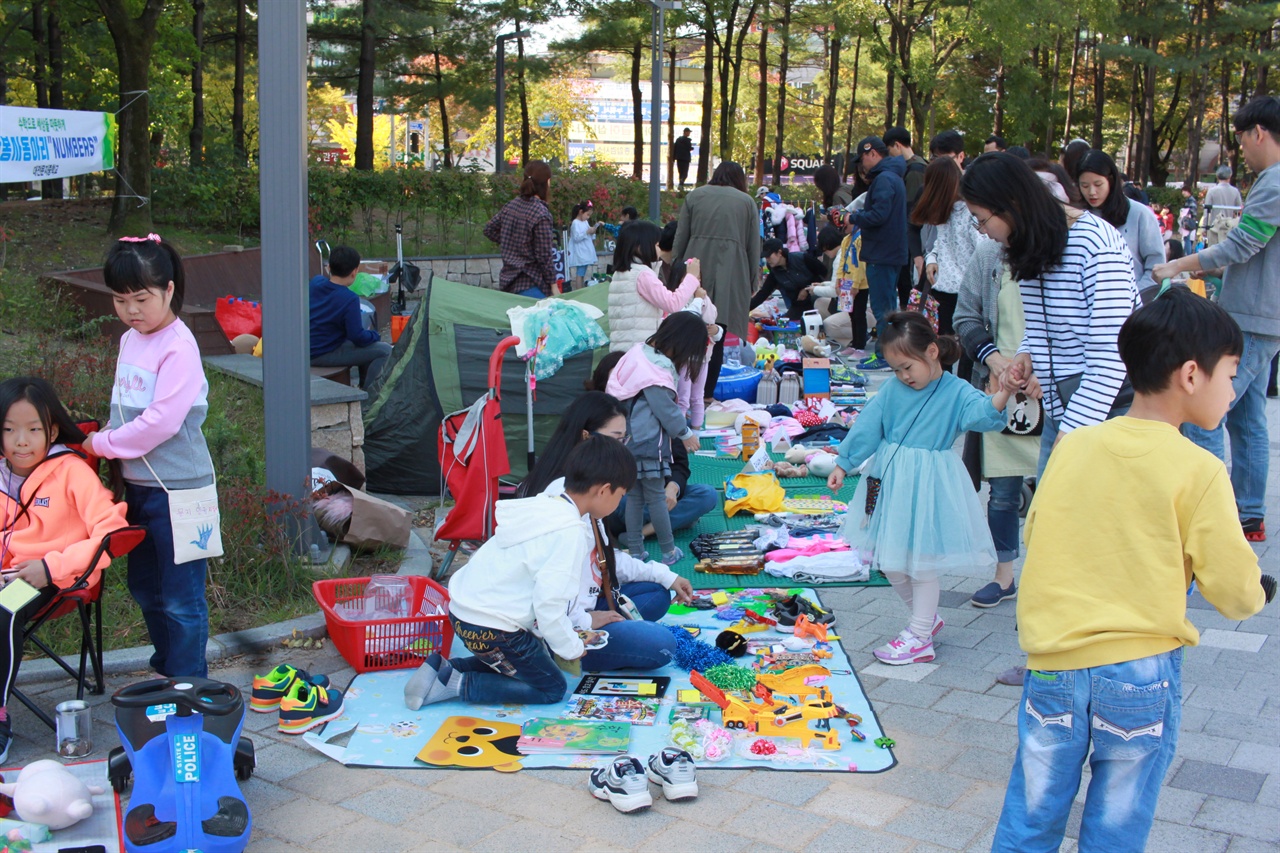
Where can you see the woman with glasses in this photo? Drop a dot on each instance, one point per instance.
(1075, 274)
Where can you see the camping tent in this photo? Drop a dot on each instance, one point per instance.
(440, 365)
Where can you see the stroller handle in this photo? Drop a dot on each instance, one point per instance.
(495, 365)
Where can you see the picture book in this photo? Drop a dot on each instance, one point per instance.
(618, 709)
(543, 735)
(645, 687)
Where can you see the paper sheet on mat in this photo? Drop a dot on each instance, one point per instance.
(102, 827)
(383, 733)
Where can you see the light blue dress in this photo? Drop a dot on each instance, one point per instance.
(927, 520)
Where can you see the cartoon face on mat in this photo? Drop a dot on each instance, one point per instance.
(471, 742)
(565, 732)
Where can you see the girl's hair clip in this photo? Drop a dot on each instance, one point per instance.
(154, 238)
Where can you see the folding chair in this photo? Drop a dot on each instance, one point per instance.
(86, 601)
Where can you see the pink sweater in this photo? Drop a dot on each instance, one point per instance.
(158, 404)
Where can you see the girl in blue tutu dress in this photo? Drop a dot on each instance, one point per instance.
(925, 520)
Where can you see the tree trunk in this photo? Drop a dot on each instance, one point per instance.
(671, 118)
(997, 122)
(1195, 100)
(4, 99)
(364, 90)
(1133, 134)
(1050, 122)
(737, 62)
(762, 107)
(783, 57)
(708, 94)
(446, 139)
(724, 134)
(846, 166)
(1265, 40)
(637, 117)
(134, 39)
(829, 105)
(237, 88)
(890, 77)
(525, 129)
(197, 84)
(1071, 84)
(1099, 90)
(53, 189)
(1148, 143)
(40, 62)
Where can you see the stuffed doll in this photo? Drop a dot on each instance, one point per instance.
(47, 793)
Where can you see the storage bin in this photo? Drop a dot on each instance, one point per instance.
(371, 645)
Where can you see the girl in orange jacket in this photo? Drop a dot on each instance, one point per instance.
(54, 511)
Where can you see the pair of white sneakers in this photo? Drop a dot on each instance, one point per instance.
(625, 781)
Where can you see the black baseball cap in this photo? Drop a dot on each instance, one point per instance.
(871, 143)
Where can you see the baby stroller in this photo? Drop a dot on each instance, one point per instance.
(473, 455)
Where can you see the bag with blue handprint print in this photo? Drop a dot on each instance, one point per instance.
(197, 525)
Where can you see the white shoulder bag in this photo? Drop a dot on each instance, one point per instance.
(193, 515)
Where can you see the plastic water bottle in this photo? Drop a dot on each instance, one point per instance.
(732, 351)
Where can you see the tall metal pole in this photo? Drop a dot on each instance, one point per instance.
(655, 115)
(500, 143)
(282, 99)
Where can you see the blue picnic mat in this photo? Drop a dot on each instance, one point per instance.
(383, 733)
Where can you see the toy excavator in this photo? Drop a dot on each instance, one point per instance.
(772, 719)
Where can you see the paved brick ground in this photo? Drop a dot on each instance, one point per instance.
(955, 728)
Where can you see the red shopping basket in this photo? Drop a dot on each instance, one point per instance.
(370, 645)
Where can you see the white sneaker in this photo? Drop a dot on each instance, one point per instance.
(622, 783)
(674, 770)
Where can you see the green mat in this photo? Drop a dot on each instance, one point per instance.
(706, 470)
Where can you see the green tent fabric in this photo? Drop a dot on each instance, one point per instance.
(441, 364)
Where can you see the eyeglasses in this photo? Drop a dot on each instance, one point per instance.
(982, 223)
(1239, 133)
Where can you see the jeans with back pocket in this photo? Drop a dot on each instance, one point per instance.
(1124, 719)
(508, 667)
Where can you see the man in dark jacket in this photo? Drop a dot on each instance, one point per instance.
(898, 139)
(338, 335)
(883, 221)
(792, 273)
(682, 153)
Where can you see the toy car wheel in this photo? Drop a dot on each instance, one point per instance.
(244, 772)
(120, 784)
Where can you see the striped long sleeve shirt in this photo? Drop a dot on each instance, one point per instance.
(1074, 313)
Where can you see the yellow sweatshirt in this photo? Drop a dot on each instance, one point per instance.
(1127, 512)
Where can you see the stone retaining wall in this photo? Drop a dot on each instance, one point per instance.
(478, 270)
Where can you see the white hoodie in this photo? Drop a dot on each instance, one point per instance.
(524, 578)
(628, 569)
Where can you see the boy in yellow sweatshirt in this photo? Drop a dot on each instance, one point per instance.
(1127, 514)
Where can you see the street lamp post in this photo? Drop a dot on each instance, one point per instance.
(500, 143)
(660, 8)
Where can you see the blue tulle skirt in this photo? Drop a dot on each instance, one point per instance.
(927, 520)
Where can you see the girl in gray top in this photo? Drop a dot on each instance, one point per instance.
(1103, 192)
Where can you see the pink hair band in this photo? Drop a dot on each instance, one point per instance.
(154, 238)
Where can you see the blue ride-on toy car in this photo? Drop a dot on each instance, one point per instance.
(182, 745)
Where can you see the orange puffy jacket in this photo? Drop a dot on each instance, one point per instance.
(60, 515)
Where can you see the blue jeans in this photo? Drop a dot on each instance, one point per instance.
(696, 501)
(1129, 714)
(1002, 516)
(532, 293)
(369, 359)
(171, 595)
(509, 667)
(636, 644)
(882, 282)
(1246, 423)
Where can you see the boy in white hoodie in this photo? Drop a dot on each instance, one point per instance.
(511, 600)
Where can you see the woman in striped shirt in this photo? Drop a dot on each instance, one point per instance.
(1076, 277)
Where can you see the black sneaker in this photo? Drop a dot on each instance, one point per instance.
(789, 608)
(6, 736)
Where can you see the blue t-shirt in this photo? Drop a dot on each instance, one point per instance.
(335, 318)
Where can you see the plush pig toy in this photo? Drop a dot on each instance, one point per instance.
(47, 793)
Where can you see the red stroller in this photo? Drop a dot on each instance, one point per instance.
(473, 455)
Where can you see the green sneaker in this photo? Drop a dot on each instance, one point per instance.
(269, 689)
(307, 706)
